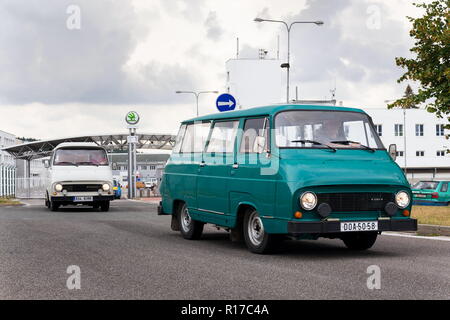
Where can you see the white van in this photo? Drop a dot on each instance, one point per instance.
(79, 173)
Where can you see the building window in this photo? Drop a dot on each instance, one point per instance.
(420, 153)
(419, 130)
(398, 129)
(439, 130)
(399, 153)
(152, 167)
(379, 129)
(440, 153)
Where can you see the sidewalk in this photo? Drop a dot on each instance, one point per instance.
(155, 200)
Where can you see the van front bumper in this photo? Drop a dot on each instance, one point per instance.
(70, 199)
(317, 227)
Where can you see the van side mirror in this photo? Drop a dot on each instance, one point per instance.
(393, 151)
(260, 143)
(46, 163)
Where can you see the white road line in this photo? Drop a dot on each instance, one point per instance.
(393, 234)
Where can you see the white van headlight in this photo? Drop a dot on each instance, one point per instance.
(106, 187)
(308, 200)
(58, 187)
(402, 199)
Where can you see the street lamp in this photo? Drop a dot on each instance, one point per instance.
(288, 27)
(404, 133)
(196, 95)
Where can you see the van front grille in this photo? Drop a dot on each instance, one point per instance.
(358, 201)
(81, 187)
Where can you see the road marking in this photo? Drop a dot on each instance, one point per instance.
(393, 234)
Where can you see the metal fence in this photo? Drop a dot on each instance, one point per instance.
(7, 181)
(30, 188)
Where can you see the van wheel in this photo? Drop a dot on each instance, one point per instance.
(256, 239)
(54, 206)
(47, 202)
(360, 240)
(190, 229)
(104, 206)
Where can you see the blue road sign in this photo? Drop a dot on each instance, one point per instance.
(225, 102)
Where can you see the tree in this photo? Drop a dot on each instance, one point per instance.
(430, 67)
(408, 94)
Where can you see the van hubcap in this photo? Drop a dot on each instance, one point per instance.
(255, 229)
(185, 219)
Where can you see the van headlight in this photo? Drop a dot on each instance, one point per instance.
(308, 200)
(106, 187)
(402, 199)
(58, 187)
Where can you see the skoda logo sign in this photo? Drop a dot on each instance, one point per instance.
(132, 117)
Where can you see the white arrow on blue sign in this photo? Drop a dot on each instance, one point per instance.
(225, 102)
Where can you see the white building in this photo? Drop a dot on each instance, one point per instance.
(6, 140)
(254, 82)
(426, 145)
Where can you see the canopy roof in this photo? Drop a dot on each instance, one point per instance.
(111, 142)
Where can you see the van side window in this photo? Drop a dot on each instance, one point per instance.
(444, 187)
(179, 139)
(195, 137)
(254, 139)
(223, 137)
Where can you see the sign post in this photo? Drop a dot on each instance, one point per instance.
(132, 119)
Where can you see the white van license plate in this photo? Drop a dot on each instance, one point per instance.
(359, 226)
(82, 199)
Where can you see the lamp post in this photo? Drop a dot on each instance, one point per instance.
(288, 27)
(197, 94)
(404, 133)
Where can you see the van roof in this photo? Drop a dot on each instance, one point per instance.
(268, 110)
(78, 144)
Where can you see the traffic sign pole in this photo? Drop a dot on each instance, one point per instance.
(132, 118)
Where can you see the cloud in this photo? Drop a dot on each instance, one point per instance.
(213, 29)
(348, 47)
(41, 60)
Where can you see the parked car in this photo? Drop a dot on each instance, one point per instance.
(117, 189)
(431, 193)
(287, 170)
(78, 173)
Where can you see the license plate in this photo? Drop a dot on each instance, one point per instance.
(359, 226)
(82, 199)
(420, 196)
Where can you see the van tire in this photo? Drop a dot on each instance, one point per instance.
(256, 239)
(360, 240)
(47, 202)
(190, 229)
(54, 206)
(104, 206)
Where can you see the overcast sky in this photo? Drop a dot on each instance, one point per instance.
(62, 76)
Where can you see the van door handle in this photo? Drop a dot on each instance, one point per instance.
(235, 166)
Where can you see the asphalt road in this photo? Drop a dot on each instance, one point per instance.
(131, 253)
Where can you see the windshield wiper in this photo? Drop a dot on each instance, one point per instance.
(66, 162)
(347, 142)
(316, 143)
(88, 163)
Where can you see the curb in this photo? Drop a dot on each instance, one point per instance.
(430, 229)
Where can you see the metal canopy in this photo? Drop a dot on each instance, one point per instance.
(112, 142)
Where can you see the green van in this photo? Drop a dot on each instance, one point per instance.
(296, 171)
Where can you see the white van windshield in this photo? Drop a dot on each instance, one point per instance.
(319, 129)
(80, 156)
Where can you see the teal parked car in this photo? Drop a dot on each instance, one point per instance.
(435, 193)
(296, 171)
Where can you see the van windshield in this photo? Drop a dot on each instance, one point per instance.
(324, 129)
(80, 156)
